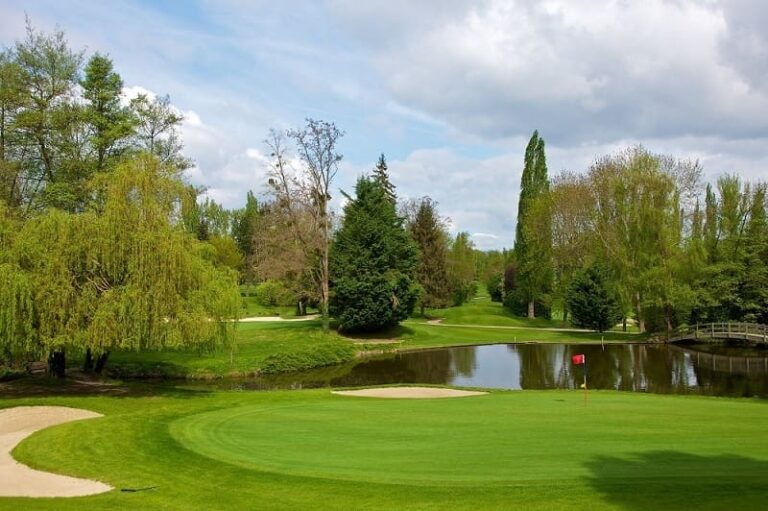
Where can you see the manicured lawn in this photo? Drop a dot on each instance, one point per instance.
(257, 343)
(314, 450)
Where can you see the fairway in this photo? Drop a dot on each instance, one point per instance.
(499, 438)
(311, 449)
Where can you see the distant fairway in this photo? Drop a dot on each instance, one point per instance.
(498, 438)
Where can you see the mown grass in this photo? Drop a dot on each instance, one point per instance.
(312, 450)
(284, 346)
(258, 345)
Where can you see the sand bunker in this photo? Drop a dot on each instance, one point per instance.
(408, 392)
(17, 480)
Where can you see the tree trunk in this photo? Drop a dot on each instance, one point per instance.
(325, 287)
(422, 310)
(639, 309)
(57, 364)
(624, 324)
(531, 309)
(88, 363)
(101, 362)
(565, 315)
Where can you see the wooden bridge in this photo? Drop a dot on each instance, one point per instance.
(749, 333)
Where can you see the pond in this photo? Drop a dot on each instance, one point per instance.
(656, 368)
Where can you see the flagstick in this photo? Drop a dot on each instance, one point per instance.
(585, 382)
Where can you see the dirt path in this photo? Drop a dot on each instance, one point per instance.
(17, 480)
(439, 322)
(408, 392)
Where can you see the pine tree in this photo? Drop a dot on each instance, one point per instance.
(591, 301)
(533, 241)
(427, 231)
(373, 263)
(381, 175)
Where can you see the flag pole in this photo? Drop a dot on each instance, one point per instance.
(585, 381)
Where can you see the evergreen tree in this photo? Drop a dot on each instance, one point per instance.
(381, 175)
(373, 262)
(428, 232)
(590, 300)
(533, 240)
(110, 123)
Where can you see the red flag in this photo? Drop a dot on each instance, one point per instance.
(578, 359)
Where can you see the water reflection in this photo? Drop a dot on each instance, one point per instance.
(641, 367)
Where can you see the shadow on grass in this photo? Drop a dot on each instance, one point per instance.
(395, 332)
(40, 386)
(676, 480)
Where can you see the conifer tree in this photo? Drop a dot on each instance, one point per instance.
(381, 175)
(373, 262)
(429, 234)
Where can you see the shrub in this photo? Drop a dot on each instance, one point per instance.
(273, 293)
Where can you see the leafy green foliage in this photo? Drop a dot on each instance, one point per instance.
(495, 286)
(461, 269)
(273, 293)
(319, 355)
(533, 240)
(126, 277)
(428, 232)
(591, 301)
(373, 263)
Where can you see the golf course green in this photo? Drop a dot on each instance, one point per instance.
(315, 450)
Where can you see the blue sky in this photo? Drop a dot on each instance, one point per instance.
(449, 90)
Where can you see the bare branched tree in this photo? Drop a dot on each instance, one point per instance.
(304, 193)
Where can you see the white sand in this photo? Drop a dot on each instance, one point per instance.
(267, 319)
(408, 392)
(17, 480)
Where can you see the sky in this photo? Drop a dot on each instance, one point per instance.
(449, 90)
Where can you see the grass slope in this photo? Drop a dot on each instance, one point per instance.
(312, 450)
(272, 347)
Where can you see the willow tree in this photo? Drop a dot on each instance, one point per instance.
(127, 277)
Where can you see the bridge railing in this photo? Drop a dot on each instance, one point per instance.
(727, 330)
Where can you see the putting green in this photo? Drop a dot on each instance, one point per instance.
(499, 438)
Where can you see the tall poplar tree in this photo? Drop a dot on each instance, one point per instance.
(533, 240)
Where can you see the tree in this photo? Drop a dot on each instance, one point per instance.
(244, 223)
(12, 101)
(316, 146)
(110, 124)
(572, 208)
(51, 122)
(461, 268)
(533, 242)
(374, 263)
(590, 300)
(126, 277)
(428, 231)
(157, 123)
(380, 174)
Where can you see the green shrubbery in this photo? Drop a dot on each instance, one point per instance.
(320, 355)
(273, 293)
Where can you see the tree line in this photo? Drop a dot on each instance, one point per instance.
(638, 236)
(96, 248)
(104, 245)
